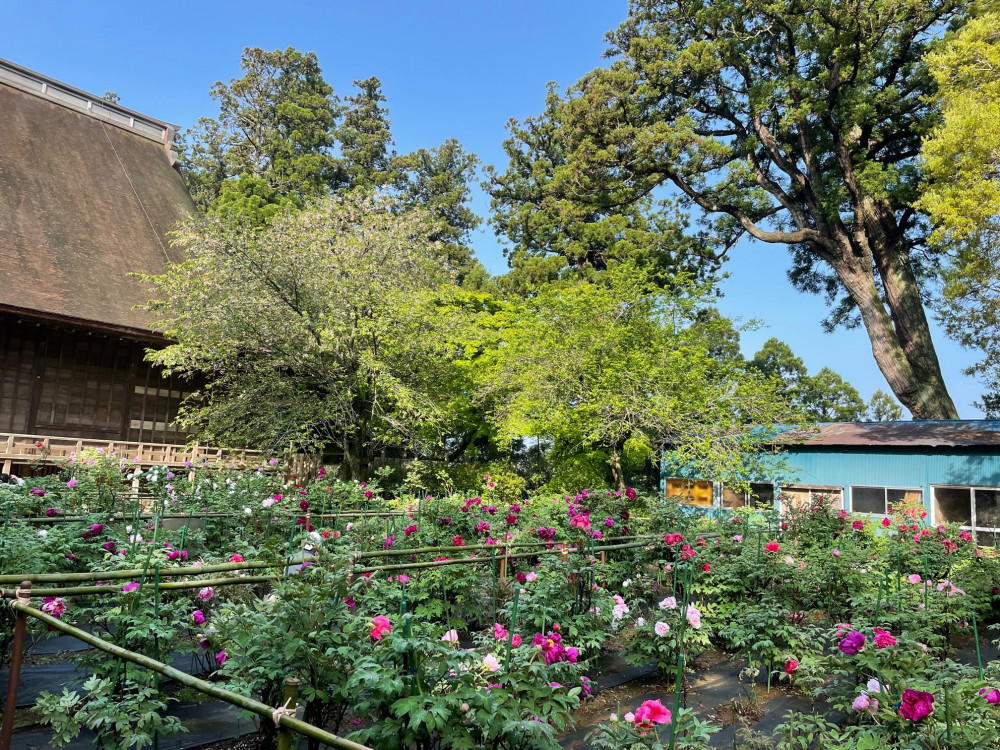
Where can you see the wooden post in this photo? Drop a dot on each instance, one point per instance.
(16, 655)
(285, 736)
(503, 565)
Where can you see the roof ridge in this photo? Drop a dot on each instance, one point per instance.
(88, 104)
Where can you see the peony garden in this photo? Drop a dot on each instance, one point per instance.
(376, 614)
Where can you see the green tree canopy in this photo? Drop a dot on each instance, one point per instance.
(270, 145)
(624, 367)
(795, 123)
(319, 329)
(963, 192)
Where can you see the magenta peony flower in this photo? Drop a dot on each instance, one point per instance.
(772, 547)
(883, 638)
(198, 617)
(220, 658)
(71, 483)
(49, 511)
(916, 705)
(130, 586)
(852, 643)
(992, 696)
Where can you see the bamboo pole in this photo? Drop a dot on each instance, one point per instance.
(202, 686)
(167, 586)
(110, 575)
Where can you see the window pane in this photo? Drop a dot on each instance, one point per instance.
(987, 509)
(898, 497)
(762, 495)
(731, 499)
(868, 499)
(986, 539)
(953, 505)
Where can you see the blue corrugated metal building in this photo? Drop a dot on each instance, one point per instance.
(951, 466)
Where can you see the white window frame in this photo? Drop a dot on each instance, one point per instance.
(885, 488)
(972, 505)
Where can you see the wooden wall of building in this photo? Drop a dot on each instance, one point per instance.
(69, 382)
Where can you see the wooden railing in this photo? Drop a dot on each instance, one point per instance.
(44, 449)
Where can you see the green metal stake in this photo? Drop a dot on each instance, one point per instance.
(975, 631)
(513, 624)
(679, 678)
(493, 568)
(927, 576)
(185, 530)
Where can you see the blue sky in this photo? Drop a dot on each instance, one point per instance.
(449, 69)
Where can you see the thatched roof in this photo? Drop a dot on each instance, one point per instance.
(87, 195)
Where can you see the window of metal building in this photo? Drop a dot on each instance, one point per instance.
(690, 491)
(975, 509)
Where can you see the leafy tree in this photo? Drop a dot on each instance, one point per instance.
(827, 397)
(269, 147)
(795, 123)
(318, 329)
(553, 234)
(883, 408)
(824, 397)
(620, 367)
(366, 146)
(438, 181)
(963, 193)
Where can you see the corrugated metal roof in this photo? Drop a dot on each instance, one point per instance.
(923, 433)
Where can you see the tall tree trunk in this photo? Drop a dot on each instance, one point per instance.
(897, 326)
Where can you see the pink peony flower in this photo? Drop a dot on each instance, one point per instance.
(668, 603)
(515, 641)
(661, 629)
(913, 578)
(772, 547)
(71, 483)
(450, 637)
(499, 632)
(206, 593)
(491, 663)
(649, 713)
(236, 558)
(693, 617)
(380, 626)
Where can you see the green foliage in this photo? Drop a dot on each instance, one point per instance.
(319, 329)
(619, 367)
(132, 718)
(823, 397)
(269, 146)
(794, 124)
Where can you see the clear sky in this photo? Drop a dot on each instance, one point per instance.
(450, 68)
